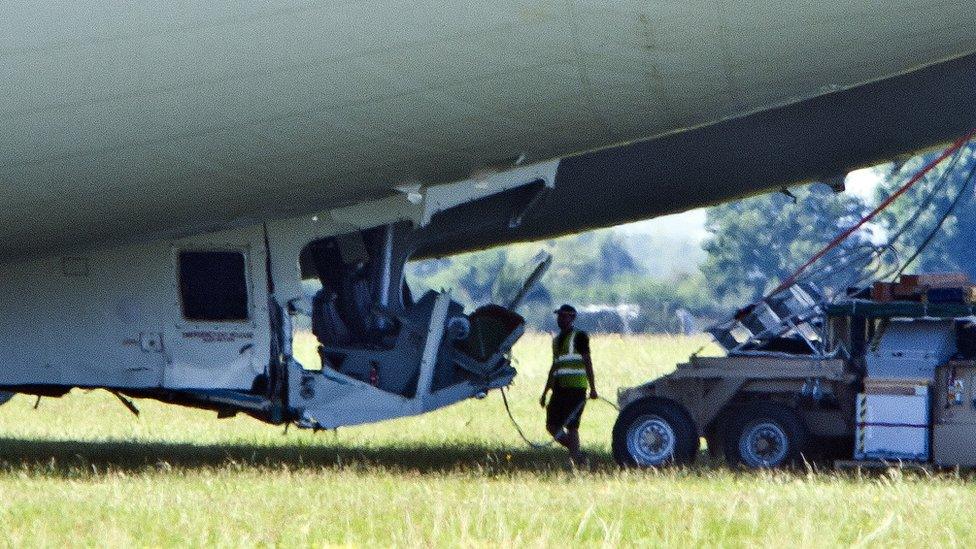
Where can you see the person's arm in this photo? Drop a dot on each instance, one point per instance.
(549, 380)
(583, 345)
(545, 391)
(589, 375)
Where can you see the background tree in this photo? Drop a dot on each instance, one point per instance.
(756, 243)
(601, 267)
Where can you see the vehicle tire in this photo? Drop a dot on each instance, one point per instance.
(654, 432)
(764, 436)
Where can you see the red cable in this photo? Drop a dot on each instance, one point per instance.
(881, 207)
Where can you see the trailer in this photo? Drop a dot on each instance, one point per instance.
(803, 379)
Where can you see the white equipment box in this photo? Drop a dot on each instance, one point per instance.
(911, 349)
(893, 423)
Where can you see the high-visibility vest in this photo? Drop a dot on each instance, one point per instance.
(569, 368)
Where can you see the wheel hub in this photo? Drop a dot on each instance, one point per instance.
(651, 440)
(764, 444)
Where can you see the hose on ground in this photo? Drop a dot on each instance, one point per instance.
(549, 443)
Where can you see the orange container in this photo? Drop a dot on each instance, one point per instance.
(937, 280)
(883, 292)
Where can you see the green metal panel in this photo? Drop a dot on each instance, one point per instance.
(900, 309)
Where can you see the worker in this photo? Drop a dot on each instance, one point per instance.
(569, 376)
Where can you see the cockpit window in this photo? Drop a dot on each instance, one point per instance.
(213, 286)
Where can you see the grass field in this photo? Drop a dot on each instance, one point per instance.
(83, 471)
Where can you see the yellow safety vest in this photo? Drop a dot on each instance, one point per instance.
(569, 368)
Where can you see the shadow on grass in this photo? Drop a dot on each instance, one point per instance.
(78, 458)
(73, 458)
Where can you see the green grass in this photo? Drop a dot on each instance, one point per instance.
(83, 471)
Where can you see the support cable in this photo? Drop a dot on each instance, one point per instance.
(945, 216)
(851, 259)
(952, 149)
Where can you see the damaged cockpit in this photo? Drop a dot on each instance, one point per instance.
(368, 324)
(385, 352)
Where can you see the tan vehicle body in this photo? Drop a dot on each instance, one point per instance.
(706, 387)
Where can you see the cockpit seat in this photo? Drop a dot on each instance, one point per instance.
(492, 326)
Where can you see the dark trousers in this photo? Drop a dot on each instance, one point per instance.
(566, 402)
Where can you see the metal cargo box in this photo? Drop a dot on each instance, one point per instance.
(911, 349)
(893, 423)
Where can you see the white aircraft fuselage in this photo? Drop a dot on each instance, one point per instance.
(128, 121)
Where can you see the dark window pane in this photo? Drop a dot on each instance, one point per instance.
(213, 286)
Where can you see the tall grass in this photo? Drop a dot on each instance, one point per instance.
(83, 471)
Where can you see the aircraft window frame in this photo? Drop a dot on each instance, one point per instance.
(242, 312)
